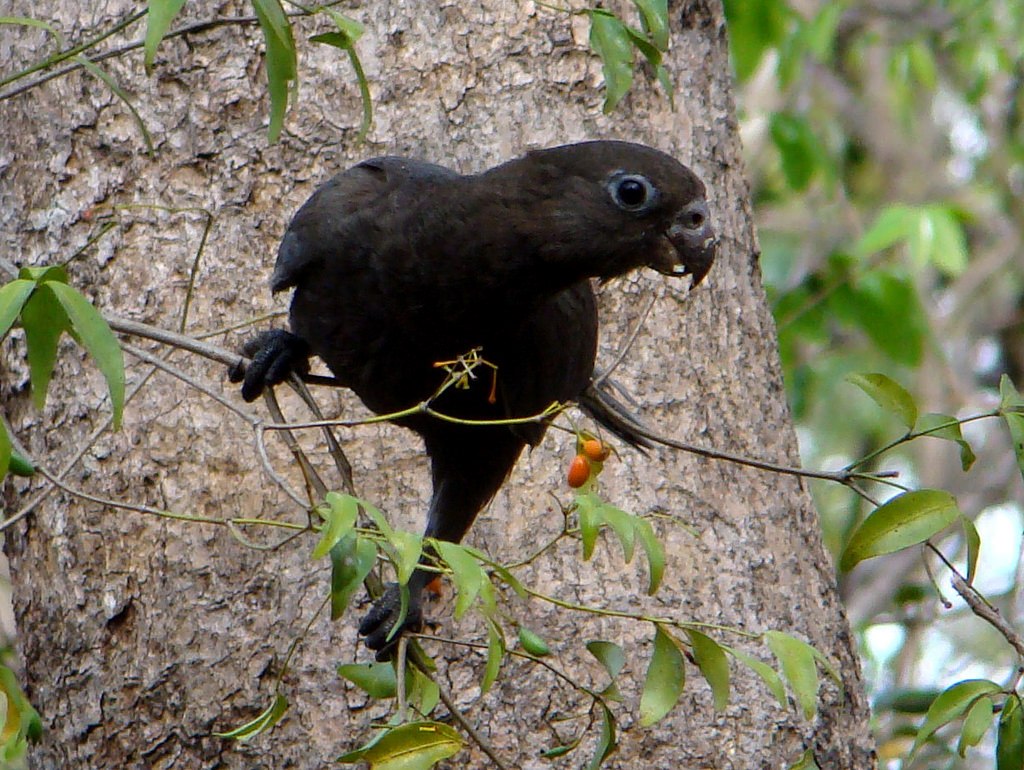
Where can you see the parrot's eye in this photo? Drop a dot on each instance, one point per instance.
(632, 192)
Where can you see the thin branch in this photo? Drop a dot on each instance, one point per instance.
(174, 371)
(624, 349)
(204, 349)
(138, 508)
(198, 26)
(981, 607)
(75, 458)
(277, 478)
(72, 52)
(473, 733)
(313, 479)
(844, 476)
(341, 462)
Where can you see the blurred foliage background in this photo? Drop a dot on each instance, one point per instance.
(885, 147)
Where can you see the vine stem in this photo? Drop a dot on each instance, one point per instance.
(70, 53)
(215, 353)
(682, 624)
(911, 435)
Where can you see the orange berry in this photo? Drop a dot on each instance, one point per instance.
(596, 450)
(579, 471)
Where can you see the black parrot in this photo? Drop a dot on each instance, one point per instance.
(399, 264)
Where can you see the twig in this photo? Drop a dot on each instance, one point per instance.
(313, 479)
(138, 508)
(844, 476)
(198, 26)
(60, 56)
(88, 444)
(341, 462)
(981, 607)
(172, 370)
(204, 349)
(402, 703)
(624, 349)
(277, 478)
(458, 716)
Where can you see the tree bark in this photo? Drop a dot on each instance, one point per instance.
(141, 635)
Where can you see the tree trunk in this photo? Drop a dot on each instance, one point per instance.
(142, 635)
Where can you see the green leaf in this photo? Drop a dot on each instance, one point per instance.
(349, 27)
(806, 762)
(973, 541)
(976, 724)
(653, 56)
(424, 694)
(609, 655)
(819, 34)
(713, 664)
(20, 465)
(921, 62)
(533, 643)
(412, 746)
(887, 307)
(763, 670)
(339, 516)
(377, 518)
(666, 677)
(1010, 406)
(1009, 398)
(797, 659)
(606, 744)
(20, 721)
(1010, 746)
(945, 427)
(13, 297)
(798, 148)
(158, 20)
(654, 18)
(466, 574)
(655, 555)
(44, 321)
(97, 338)
(349, 31)
(561, 751)
(5, 451)
(939, 239)
(281, 60)
(44, 273)
(270, 717)
(375, 679)
(588, 507)
(624, 526)
(94, 69)
(610, 41)
(25, 21)
(495, 654)
(408, 547)
(1015, 422)
(352, 558)
(905, 520)
(891, 226)
(755, 26)
(950, 705)
(888, 394)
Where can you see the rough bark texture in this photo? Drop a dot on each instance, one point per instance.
(142, 635)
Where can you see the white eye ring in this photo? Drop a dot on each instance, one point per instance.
(632, 192)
